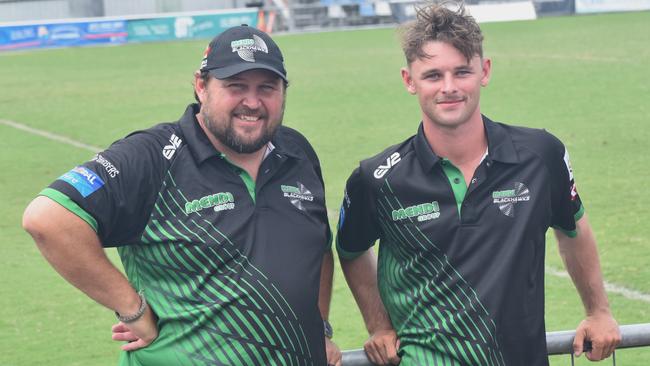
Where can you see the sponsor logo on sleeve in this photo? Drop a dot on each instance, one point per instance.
(567, 162)
(346, 198)
(574, 192)
(108, 166)
(169, 150)
(508, 198)
(345, 205)
(84, 180)
(391, 161)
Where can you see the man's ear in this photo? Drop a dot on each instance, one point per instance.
(408, 80)
(200, 86)
(486, 70)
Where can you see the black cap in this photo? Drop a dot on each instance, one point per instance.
(242, 48)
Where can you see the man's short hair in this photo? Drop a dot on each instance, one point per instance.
(437, 22)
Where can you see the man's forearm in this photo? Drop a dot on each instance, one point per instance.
(580, 257)
(325, 290)
(361, 275)
(75, 252)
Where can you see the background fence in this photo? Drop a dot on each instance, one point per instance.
(290, 15)
(64, 23)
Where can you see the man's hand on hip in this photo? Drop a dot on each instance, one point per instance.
(139, 334)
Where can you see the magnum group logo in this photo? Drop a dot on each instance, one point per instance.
(424, 212)
(507, 199)
(297, 194)
(246, 47)
(220, 201)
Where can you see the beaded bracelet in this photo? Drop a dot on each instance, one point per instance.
(138, 314)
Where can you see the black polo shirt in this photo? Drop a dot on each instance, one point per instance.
(461, 267)
(230, 266)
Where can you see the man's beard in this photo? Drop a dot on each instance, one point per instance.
(226, 134)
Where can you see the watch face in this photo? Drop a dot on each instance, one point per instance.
(329, 332)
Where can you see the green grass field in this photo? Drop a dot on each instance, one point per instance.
(583, 78)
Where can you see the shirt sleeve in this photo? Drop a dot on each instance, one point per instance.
(566, 205)
(115, 191)
(357, 228)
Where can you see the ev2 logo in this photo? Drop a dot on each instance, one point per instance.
(390, 162)
(169, 150)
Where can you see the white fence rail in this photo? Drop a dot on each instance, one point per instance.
(557, 343)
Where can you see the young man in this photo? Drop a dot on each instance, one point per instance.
(219, 220)
(461, 210)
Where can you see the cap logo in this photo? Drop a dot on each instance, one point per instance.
(246, 47)
(204, 61)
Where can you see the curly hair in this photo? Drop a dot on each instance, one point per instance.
(437, 22)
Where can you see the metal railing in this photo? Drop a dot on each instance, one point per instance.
(557, 343)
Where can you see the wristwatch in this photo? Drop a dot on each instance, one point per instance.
(329, 332)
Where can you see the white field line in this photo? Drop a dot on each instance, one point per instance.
(609, 287)
(51, 136)
(333, 215)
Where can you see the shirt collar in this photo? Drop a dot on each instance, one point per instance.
(201, 147)
(500, 146)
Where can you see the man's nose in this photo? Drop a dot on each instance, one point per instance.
(252, 100)
(449, 84)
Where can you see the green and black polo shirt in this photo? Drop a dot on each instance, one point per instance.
(461, 267)
(230, 266)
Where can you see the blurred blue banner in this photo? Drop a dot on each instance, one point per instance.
(62, 34)
(121, 30)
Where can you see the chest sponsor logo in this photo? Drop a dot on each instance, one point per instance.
(169, 150)
(507, 199)
(391, 161)
(423, 212)
(297, 195)
(84, 180)
(220, 201)
(108, 166)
